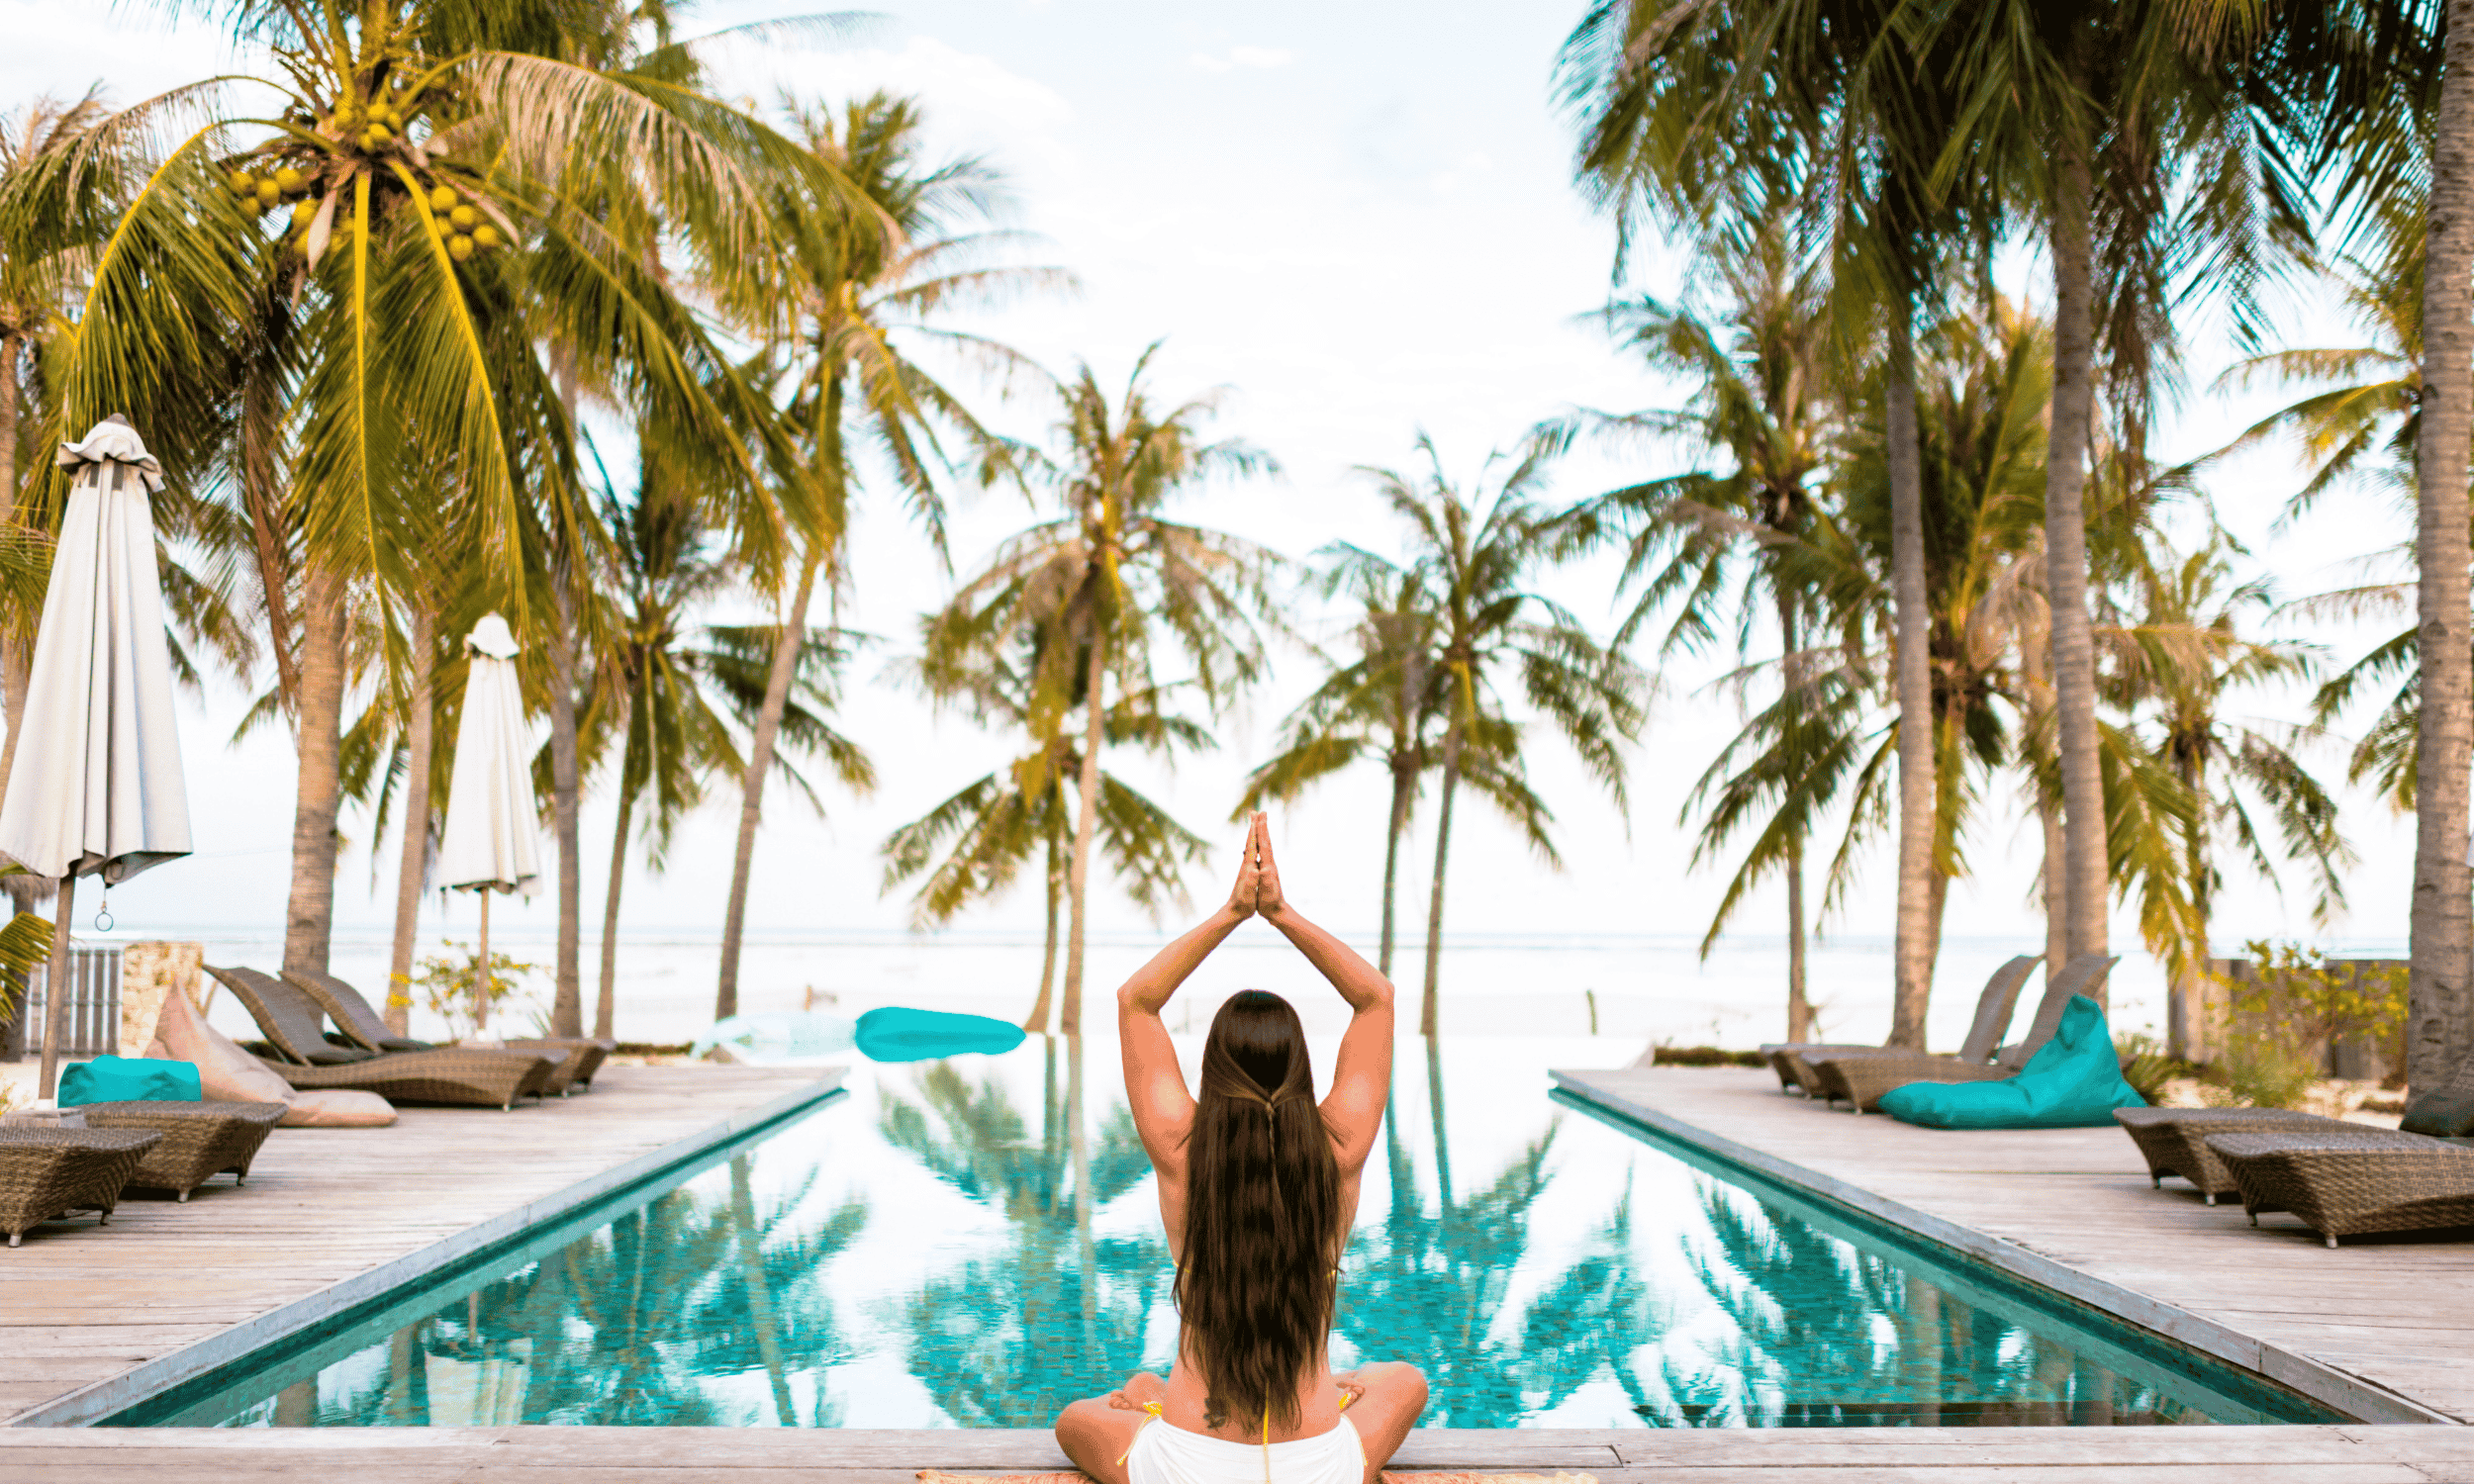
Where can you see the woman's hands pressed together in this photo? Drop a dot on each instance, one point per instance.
(1268, 900)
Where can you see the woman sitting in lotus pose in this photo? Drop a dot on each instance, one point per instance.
(1258, 1190)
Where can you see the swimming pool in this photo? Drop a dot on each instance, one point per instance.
(975, 1243)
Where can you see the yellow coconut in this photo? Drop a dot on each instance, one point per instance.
(443, 199)
(303, 211)
(288, 180)
(268, 193)
(465, 217)
(242, 183)
(485, 237)
(459, 247)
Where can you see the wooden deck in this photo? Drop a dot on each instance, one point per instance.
(722, 1455)
(92, 1320)
(2382, 1327)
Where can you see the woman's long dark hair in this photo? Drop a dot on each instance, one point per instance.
(1262, 1214)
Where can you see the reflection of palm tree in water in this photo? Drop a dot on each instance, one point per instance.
(1006, 1340)
(1826, 1335)
(690, 1288)
(1430, 1290)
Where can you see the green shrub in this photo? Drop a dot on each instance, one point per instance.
(2298, 1001)
(449, 985)
(2146, 1066)
(2256, 1075)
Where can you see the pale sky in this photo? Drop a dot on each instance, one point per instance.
(1358, 221)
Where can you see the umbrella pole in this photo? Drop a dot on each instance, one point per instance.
(56, 987)
(481, 973)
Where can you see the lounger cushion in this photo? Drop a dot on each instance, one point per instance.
(226, 1073)
(338, 1108)
(2442, 1114)
(127, 1080)
(2074, 1083)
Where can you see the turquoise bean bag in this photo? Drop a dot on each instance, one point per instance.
(126, 1079)
(897, 1033)
(2074, 1083)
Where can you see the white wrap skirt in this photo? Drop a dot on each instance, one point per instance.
(1165, 1454)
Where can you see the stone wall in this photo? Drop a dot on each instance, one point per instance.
(148, 973)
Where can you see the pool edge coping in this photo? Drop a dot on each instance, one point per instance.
(114, 1394)
(2363, 1399)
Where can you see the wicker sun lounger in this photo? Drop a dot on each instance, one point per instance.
(291, 1021)
(2371, 1180)
(199, 1139)
(2174, 1140)
(49, 1172)
(1860, 1078)
(1793, 1060)
(578, 1057)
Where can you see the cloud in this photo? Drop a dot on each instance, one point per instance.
(1243, 56)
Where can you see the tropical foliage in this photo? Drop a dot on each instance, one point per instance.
(393, 300)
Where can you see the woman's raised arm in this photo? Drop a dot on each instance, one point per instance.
(1361, 1080)
(1155, 1087)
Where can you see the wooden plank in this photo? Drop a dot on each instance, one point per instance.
(662, 1456)
(2373, 1327)
(331, 1217)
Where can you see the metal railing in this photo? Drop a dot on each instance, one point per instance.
(90, 1024)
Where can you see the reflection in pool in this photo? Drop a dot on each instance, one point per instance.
(975, 1243)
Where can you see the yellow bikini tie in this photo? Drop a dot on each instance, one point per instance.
(1153, 1408)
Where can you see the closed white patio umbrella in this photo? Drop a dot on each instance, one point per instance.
(491, 841)
(96, 786)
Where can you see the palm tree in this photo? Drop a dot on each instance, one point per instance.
(2181, 663)
(997, 823)
(375, 334)
(1706, 542)
(653, 687)
(1089, 590)
(1827, 745)
(1716, 119)
(587, 351)
(1474, 553)
(1382, 707)
(2442, 990)
(36, 277)
(865, 280)
(2158, 145)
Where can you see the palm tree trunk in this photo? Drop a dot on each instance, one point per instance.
(1403, 792)
(309, 918)
(2065, 557)
(567, 999)
(1912, 992)
(2441, 995)
(1426, 1012)
(2185, 1030)
(1799, 1004)
(2056, 933)
(761, 1314)
(1085, 826)
(412, 860)
(606, 1003)
(1054, 876)
(785, 643)
(14, 658)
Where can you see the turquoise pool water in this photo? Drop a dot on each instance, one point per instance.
(975, 1243)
